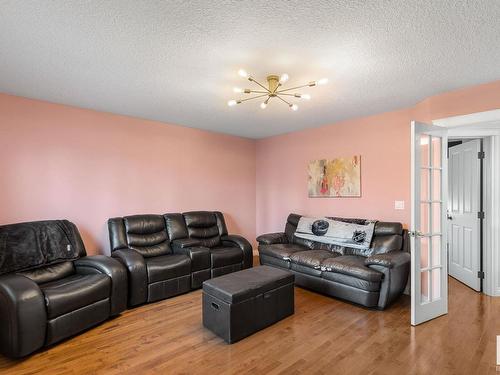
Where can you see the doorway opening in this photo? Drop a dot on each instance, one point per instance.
(483, 126)
(465, 212)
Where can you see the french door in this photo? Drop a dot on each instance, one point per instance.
(429, 284)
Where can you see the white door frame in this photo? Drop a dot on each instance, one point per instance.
(485, 125)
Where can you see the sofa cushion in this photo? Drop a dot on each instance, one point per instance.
(74, 292)
(280, 251)
(311, 258)
(225, 256)
(305, 269)
(351, 265)
(167, 267)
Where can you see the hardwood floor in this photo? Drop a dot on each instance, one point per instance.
(324, 336)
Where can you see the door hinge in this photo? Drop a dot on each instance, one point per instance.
(480, 215)
(480, 155)
(480, 274)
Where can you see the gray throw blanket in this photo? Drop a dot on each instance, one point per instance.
(357, 236)
(30, 245)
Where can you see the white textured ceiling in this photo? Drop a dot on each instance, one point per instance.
(176, 61)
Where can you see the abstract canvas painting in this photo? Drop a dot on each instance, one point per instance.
(339, 177)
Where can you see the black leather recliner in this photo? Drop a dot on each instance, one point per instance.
(170, 254)
(373, 277)
(141, 243)
(207, 230)
(50, 289)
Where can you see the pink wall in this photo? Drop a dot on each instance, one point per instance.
(383, 141)
(63, 162)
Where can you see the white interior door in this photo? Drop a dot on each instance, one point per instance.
(464, 184)
(429, 284)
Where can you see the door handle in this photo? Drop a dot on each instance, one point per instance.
(449, 217)
(416, 234)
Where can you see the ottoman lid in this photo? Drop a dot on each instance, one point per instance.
(242, 285)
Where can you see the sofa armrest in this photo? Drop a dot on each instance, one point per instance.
(389, 260)
(137, 274)
(183, 243)
(115, 270)
(23, 316)
(272, 238)
(243, 244)
(395, 266)
(199, 255)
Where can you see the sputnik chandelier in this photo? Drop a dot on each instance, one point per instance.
(273, 90)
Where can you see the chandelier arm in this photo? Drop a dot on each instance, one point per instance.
(293, 88)
(253, 97)
(283, 93)
(259, 92)
(264, 87)
(280, 98)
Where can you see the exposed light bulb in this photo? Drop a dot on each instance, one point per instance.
(294, 107)
(237, 90)
(232, 103)
(323, 81)
(263, 105)
(284, 77)
(243, 73)
(305, 96)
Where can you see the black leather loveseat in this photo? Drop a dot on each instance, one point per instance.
(50, 289)
(170, 254)
(373, 277)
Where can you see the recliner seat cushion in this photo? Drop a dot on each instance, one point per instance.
(74, 292)
(311, 258)
(50, 273)
(281, 251)
(224, 256)
(352, 265)
(167, 267)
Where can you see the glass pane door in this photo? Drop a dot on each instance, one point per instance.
(429, 272)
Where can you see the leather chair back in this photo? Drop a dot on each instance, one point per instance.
(146, 234)
(205, 226)
(43, 251)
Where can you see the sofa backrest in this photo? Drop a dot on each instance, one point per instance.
(387, 237)
(205, 226)
(41, 250)
(176, 226)
(146, 234)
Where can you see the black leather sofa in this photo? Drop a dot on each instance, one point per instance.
(372, 278)
(50, 289)
(170, 254)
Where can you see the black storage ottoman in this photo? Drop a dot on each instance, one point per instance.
(241, 303)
